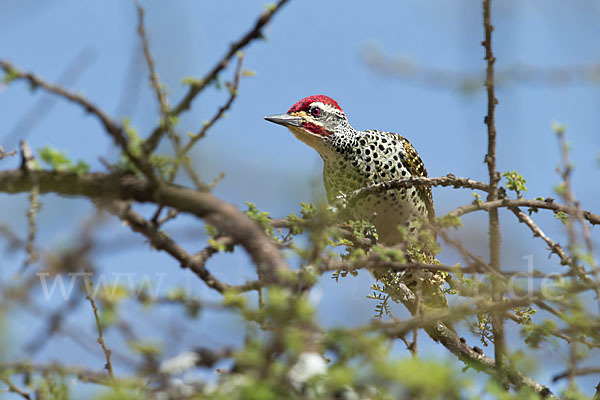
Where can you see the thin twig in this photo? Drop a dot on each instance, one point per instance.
(184, 104)
(161, 241)
(13, 388)
(83, 374)
(577, 372)
(233, 92)
(4, 154)
(163, 101)
(28, 166)
(106, 350)
(537, 231)
(46, 103)
(570, 199)
(111, 127)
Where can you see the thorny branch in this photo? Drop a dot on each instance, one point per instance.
(547, 204)
(448, 180)
(106, 350)
(490, 160)
(457, 182)
(554, 247)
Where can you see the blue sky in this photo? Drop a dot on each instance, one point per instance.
(311, 47)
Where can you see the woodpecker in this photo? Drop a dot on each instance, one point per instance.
(353, 159)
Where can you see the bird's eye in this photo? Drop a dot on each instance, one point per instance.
(315, 112)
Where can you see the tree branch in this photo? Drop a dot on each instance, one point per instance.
(161, 241)
(490, 160)
(269, 261)
(537, 231)
(448, 180)
(107, 352)
(472, 356)
(184, 104)
(547, 204)
(111, 127)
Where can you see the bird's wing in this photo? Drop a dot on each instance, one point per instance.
(412, 161)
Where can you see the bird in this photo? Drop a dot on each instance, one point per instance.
(354, 159)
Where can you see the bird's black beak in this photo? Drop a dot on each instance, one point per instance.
(285, 120)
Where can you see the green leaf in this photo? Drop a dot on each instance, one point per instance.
(449, 221)
(10, 75)
(535, 334)
(58, 161)
(270, 7)
(525, 313)
(188, 80)
(308, 210)
(515, 181)
(560, 189)
(262, 218)
(562, 216)
(211, 230)
(150, 349)
(389, 254)
(558, 128)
